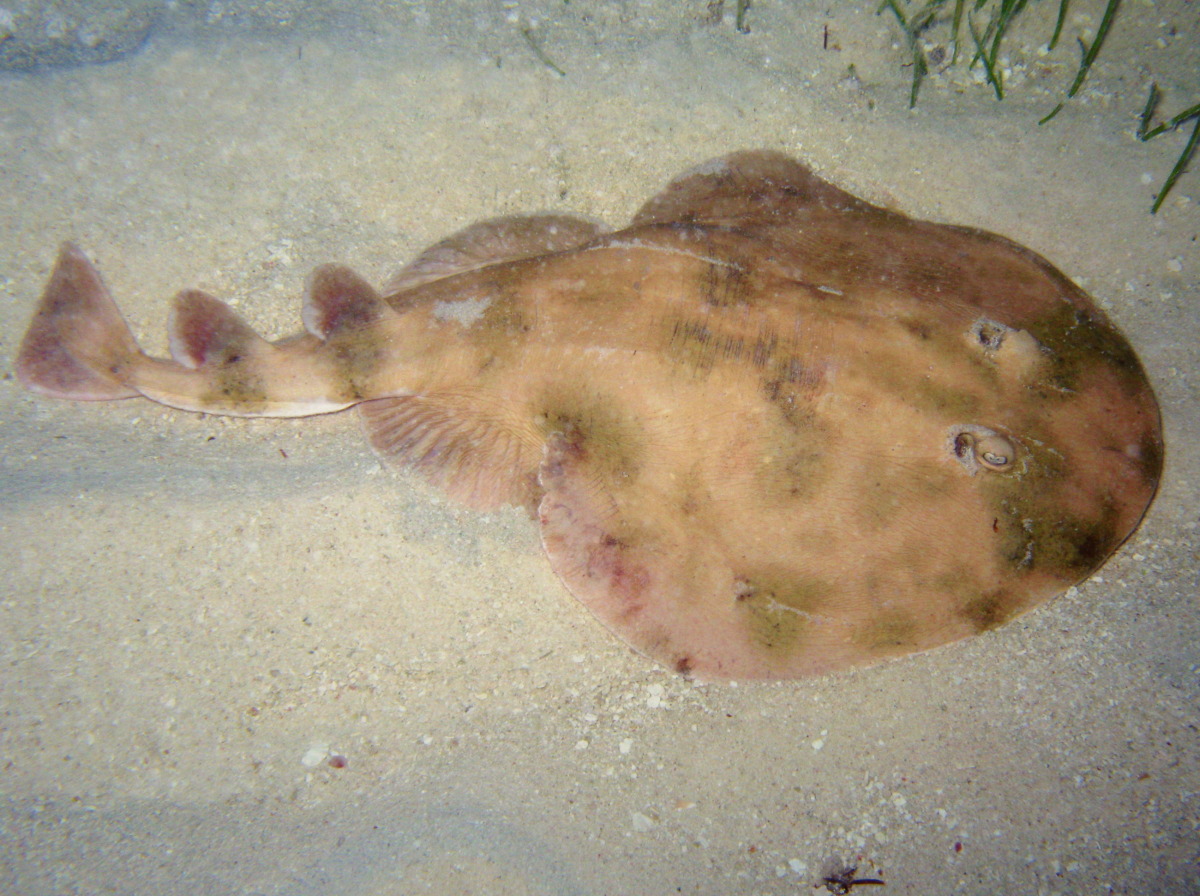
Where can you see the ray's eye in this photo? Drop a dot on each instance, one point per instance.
(994, 452)
(979, 447)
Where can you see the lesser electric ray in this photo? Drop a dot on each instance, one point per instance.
(768, 430)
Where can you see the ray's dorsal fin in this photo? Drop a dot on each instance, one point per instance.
(336, 298)
(756, 186)
(491, 242)
(203, 330)
(77, 342)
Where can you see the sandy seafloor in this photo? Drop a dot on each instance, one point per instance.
(192, 623)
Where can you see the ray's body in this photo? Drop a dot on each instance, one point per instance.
(768, 430)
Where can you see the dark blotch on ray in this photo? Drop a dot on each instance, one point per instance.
(1078, 343)
(888, 632)
(988, 611)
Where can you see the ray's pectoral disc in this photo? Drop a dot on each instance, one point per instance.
(767, 429)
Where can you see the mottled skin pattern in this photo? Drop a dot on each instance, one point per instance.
(769, 430)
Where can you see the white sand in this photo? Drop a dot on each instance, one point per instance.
(191, 623)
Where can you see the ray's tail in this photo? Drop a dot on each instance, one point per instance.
(79, 347)
(77, 344)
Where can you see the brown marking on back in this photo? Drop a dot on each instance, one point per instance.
(504, 318)
(889, 631)
(596, 427)
(1035, 534)
(795, 476)
(705, 341)
(235, 383)
(1072, 547)
(724, 285)
(356, 354)
(777, 608)
(793, 458)
(1081, 342)
(762, 349)
(695, 346)
(959, 395)
(1035, 531)
(792, 388)
(505, 328)
(986, 611)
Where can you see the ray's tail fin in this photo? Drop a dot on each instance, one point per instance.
(78, 347)
(78, 343)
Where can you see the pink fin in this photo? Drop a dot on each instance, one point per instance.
(492, 242)
(475, 456)
(336, 297)
(204, 330)
(78, 342)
